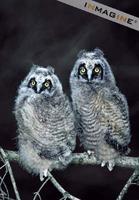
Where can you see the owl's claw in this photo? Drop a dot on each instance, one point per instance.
(43, 174)
(103, 163)
(90, 154)
(110, 164)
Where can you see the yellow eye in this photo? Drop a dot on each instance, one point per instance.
(47, 84)
(33, 83)
(97, 70)
(82, 70)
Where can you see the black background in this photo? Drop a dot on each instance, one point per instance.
(47, 32)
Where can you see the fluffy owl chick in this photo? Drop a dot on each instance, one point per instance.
(100, 108)
(46, 131)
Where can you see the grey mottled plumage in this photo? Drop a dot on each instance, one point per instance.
(101, 110)
(46, 132)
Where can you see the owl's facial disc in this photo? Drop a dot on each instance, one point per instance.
(46, 85)
(88, 74)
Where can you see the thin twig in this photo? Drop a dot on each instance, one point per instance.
(4, 197)
(10, 173)
(127, 185)
(37, 194)
(4, 185)
(3, 166)
(60, 188)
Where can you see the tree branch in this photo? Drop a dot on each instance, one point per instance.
(128, 184)
(5, 159)
(13, 156)
(123, 161)
(65, 194)
(37, 194)
(84, 159)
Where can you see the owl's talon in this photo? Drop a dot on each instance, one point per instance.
(110, 165)
(103, 163)
(90, 154)
(41, 177)
(43, 174)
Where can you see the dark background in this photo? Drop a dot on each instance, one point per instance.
(47, 32)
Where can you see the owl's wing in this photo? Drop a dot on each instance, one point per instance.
(117, 119)
(121, 101)
(31, 121)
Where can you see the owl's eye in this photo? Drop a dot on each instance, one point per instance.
(33, 83)
(82, 69)
(97, 69)
(47, 83)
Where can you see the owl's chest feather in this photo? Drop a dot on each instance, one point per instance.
(91, 110)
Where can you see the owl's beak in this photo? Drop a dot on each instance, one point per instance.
(39, 90)
(89, 76)
(89, 79)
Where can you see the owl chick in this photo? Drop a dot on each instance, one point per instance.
(100, 108)
(46, 131)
